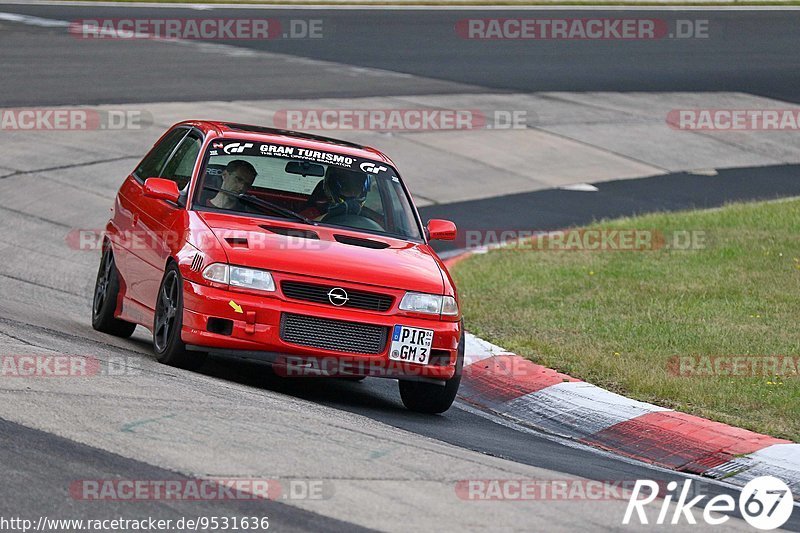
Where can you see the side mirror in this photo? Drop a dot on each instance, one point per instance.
(162, 189)
(442, 230)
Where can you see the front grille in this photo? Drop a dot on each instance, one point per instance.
(335, 335)
(319, 294)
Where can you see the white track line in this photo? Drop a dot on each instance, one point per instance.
(34, 21)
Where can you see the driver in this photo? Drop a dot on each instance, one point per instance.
(345, 193)
(346, 190)
(237, 178)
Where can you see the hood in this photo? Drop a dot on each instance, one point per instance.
(326, 252)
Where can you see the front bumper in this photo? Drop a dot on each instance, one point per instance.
(255, 333)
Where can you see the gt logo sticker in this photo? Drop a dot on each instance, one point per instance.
(371, 168)
(236, 148)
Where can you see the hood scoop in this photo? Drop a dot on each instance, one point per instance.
(292, 232)
(357, 241)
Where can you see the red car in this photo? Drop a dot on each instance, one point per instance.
(297, 250)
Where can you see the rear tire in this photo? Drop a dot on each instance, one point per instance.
(430, 398)
(106, 293)
(168, 322)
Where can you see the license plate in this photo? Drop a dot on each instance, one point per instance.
(411, 345)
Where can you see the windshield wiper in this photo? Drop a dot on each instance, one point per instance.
(258, 202)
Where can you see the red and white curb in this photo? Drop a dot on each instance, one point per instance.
(517, 389)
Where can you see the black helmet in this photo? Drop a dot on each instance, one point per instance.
(344, 185)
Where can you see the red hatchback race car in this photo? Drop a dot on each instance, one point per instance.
(297, 250)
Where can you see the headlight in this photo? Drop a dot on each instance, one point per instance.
(249, 278)
(431, 304)
(236, 276)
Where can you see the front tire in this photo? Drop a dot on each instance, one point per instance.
(430, 398)
(106, 293)
(168, 322)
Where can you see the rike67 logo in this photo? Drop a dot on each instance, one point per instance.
(765, 503)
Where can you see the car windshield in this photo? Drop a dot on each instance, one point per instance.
(310, 186)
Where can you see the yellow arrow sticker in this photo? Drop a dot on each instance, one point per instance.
(236, 307)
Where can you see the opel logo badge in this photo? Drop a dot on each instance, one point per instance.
(337, 296)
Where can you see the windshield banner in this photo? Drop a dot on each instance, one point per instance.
(222, 148)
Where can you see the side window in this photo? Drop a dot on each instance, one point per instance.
(151, 166)
(179, 167)
(374, 200)
(402, 217)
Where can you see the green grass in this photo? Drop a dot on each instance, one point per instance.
(616, 318)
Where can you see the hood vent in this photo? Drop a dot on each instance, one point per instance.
(236, 242)
(364, 243)
(292, 232)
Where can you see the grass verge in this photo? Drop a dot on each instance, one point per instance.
(621, 319)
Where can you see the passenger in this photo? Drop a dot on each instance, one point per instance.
(237, 178)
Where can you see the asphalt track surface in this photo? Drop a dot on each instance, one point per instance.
(317, 428)
(555, 209)
(45, 464)
(746, 51)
